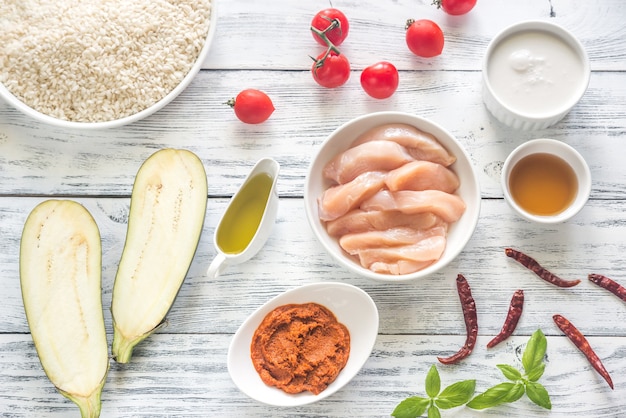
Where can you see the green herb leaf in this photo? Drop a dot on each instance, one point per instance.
(494, 396)
(456, 394)
(534, 352)
(433, 382)
(516, 393)
(536, 373)
(433, 412)
(411, 407)
(510, 372)
(538, 394)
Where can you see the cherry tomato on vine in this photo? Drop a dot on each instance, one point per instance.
(455, 7)
(331, 69)
(252, 106)
(424, 38)
(323, 19)
(380, 80)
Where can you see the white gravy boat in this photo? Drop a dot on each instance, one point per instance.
(249, 217)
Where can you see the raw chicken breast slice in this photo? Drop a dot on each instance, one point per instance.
(427, 250)
(371, 156)
(422, 175)
(339, 200)
(400, 267)
(421, 145)
(358, 220)
(448, 206)
(353, 243)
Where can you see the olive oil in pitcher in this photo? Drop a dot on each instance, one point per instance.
(244, 215)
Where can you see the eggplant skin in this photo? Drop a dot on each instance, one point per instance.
(61, 283)
(166, 218)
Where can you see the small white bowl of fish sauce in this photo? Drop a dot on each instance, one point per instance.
(392, 196)
(534, 73)
(546, 181)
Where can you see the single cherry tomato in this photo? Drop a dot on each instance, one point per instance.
(252, 106)
(327, 17)
(380, 80)
(331, 69)
(455, 7)
(424, 38)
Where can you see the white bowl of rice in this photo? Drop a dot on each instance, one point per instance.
(90, 64)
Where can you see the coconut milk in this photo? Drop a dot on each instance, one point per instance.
(535, 72)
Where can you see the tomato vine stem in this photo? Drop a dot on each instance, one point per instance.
(331, 47)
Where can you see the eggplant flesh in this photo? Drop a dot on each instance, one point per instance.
(167, 211)
(61, 284)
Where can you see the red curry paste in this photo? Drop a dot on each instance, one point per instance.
(300, 347)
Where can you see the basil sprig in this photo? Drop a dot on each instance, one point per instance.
(461, 393)
(507, 392)
(456, 394)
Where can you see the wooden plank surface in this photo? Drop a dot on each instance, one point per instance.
(181, 371)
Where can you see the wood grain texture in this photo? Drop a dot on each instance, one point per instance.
(185, 375)
(181, 370)
(39, 160)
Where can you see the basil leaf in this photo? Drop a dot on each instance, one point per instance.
(433, 382)
(510, 372)
(456, 394)
(535, 351)
(516, 392)
(536, 373)
(538, 394)
(495, 395)
(411, 407)
(433, 412)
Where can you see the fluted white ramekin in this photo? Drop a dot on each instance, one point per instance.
(504, 112)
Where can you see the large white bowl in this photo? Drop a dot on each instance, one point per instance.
(459, 232)
(352, 307)
(195, 68)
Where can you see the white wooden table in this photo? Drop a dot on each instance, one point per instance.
(181, 370)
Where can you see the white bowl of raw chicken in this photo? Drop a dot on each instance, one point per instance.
(372, 222)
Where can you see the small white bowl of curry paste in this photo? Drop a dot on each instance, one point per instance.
(304, 345)
(534, 73)
(546, 181)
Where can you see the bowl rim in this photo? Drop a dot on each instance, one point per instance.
(559, 149)
(18, 104)
(470, 216)
(539, 26)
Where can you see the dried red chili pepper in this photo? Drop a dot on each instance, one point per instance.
(609, 284)
(512, 318)
(471, 321)
(582, 344)
(531, 264)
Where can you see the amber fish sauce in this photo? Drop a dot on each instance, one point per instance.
(244, 216)
(543, 184)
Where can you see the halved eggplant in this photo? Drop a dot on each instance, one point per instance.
(61, 282)
(167, 211)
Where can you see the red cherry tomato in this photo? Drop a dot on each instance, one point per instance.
(424, 38)
(455, 7)
(323, 19)
(331, 69)
(380, 80)
(252, 106)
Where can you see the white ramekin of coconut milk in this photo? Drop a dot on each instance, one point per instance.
(534, 72)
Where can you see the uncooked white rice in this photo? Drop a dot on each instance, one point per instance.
(98, 60)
